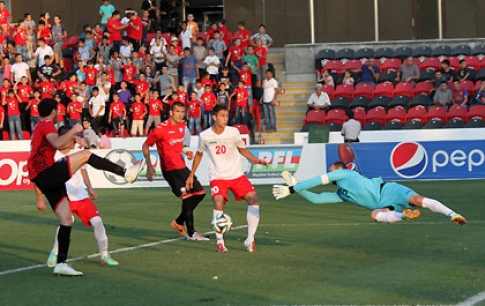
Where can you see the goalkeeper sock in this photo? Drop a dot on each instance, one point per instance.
(101, 163)
(389, 217)
(219, 237)
(253, 220)
(437, 207)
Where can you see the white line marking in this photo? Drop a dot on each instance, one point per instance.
(473, 300)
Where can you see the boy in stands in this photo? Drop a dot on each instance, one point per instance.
(241, 100)
(139, 111)
(155, 109)
(223, 144)
(117, 115)
(51, 177)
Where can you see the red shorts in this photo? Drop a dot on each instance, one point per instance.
(240, 187)
(84, 209)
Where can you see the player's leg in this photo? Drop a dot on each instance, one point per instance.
(385, 215)
(252, 217)
(219, 201)
(102, 240)
(437, 207)
(52, 259)
(197, 195)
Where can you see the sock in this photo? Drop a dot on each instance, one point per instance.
(101, 163)
(100, 235)
(253, 220)
(193, 201)
(64, 238)
(389, 217)
(55, 247)
(437, 207)
(181, 219)
(219, 237)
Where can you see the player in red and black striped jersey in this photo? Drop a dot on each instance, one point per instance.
(50, 176)
(168, 136)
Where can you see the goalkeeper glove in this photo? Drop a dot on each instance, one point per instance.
(281, 192)
(289, 179)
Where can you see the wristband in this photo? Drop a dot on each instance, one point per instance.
(292, 190)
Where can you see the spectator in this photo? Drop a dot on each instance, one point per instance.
(2, 121)
(46, 87)
(146, 26)
(195, 115)
(438, 80)
(61, 112)
(162, 40)
(84, 53)
(460, 95)
(5, 68)
(408, 72)
(348, 78)
(42, 50)
(480, 96)
(4, 16)
(209, 100)
(126, 49)
(252, 61)
(351, 128)
(19, 69)
(263, 36)
(268, 100)
(242, 96)
(212, 64)
(200, 53)
(134, 31)
(97, 106)
(124, 94)
(447, 72)
(89, 40)
(30, 26)
(43, 32)
(234, 57)
(139, 111)
(129, 71)
(224, 77)
(49, 69)
(103, 140)
(185, 36)
(261, 53)
(318, 100)
(155, 109)
(443, 96)
(175, 44)
(91, 75)
(370, 73)
(464, 72)
(183, 96)
(106, 10)
(117, 115)
(104, 86)
(189, 69)
(221, 27)
(20, 35)
(151, 7)
(11, 100)
(114, 26)
(222, 96)
(219, 46)
(243, 34)
(193, 27)
(59, 33)
(158, 53)
(33, 105)
(85, 94)
(165, 83)
(24, 92)
(89, 135)
(74, 110)
(245, 75)
(325, 78)
(210, 34)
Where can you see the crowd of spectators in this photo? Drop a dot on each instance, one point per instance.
(120, 76)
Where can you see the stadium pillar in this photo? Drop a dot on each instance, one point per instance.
(376, 20)
(312, 22)
(440, 19)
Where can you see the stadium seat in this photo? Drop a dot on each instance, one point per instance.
(433, 124)
(423, 88)
(372, 126)
(335, 66)
(345, 55)
(400, 101)
(458, 111)
(379, 101)
(423, 100)
(426, 75)
(476, 111)
(364, 90)
(315, 116)
(461, 51)
(334, 126)
(392, 125)
(384, 52)
(472, 61)
(384, 89)
(430, 63)
(72, 41)
(436, 112)
(340, 102)
(422, 51)
(336, 116)
(327, 54)
(403, 52)
(376, 114)
(344, 90)
(479, 50)
(396, 113)
(469, 86)
(359, 115)
(353, 64)
(5, 135)
(480, 75)
(454, 124)
(391, 64)
(454, 62)
(475, 123)
(442, 51)
(202, 35)
(404, 89)
(359, 102)
(364, 53)
(330, 90)
(151, 36)
(242, 128)
(413, 125)
(416, 113)
(388, 76)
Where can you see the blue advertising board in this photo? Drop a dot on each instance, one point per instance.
(426, 160)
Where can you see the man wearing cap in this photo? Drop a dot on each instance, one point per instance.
(97, 105)
(318, 100)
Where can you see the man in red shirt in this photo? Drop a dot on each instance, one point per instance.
(34, 110)
(208, 99)
(155, 109)
(261, 53)
(24, 91)
(70, 86)
(139, 111)
(46, 88)
(235, 56)
(135, 29)
(244, 34)
(141, 86)
(20, 35)
(50, 177)
(114, 27)
(169, 138)
(74, 110)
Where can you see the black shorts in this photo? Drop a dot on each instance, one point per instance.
(177, 179)
(52, 181)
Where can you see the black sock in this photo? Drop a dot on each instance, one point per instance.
(196, 199)
(181, 218)
(64, 238)
(189, 214)
(101, 163)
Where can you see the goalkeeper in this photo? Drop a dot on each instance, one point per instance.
(390, 202)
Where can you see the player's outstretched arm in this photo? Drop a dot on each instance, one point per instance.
(189, 184)
(246, 153)
(320, 198)
(87, 182)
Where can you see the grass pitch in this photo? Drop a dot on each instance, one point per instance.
(306, 254)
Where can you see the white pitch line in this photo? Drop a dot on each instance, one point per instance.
(473, 300)
(127, 249)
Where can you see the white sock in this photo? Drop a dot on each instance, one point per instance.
(100, 235)
(437, 207)
(253, 220)
(219, 237)
(389, 217)
(55, 247)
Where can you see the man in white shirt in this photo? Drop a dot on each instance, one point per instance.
(268, 100)
(96, 109)
(212, 63)
(224, 146)
(104, 86)
(42, 50)
(319, 99)
(351, 128)
(186, 36)
(19, 69)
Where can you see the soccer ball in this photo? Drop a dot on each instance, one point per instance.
(122, 158)
(222, 223)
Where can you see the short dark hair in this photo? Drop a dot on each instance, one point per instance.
(63, 130)
(219, 107)
(446, 62)
(102, 130)
(179, 104)
(46, 106)
(339, 165)
(349, 114)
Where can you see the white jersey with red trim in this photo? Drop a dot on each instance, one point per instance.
(76, 190)
(224, 157)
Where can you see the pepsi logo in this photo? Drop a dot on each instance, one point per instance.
(351, 166)
(409, 159)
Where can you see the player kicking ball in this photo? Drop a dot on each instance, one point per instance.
(390, 202)
(223, 144)
(81, 205)
(51, 176)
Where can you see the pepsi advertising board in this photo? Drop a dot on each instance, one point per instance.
(427, 160)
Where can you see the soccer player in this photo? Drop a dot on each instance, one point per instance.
(223, 144)
(81, 205)
(50, 176)
(169, 138)
(390, 202)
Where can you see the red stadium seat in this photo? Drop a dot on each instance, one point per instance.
(202, 35)
(396, 113)
(469, 86)
(72, 41)
(334, 66)
(5, 135)
(376, 114)
(353, 64)
(404, 89)
(235, 35)
(330, 90)
(364, 90)
(416, 113)
(315, 116)
(391, 64)
(344, 90)
(167, 36)
(476, 111)
(359, 115)
(242, 128)
(472, 62)
(482, 63)
(430, 63)
(384, 89)
(476, 88)
(454, 62)
(423, 88)
(457, 111)
(437, 112)
(150, 36)
(336, 116)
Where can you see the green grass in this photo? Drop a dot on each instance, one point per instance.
(306, 254)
